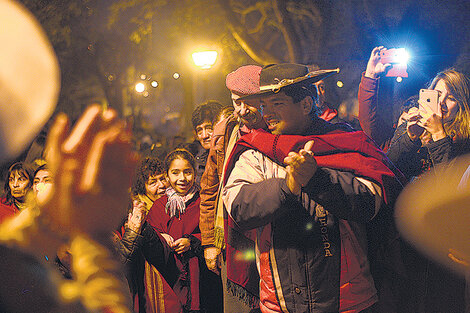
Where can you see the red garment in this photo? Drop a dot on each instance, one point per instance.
(177, 227)
(373, 121)
(347, 151)
(7, 210)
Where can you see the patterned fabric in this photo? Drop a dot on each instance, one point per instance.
(176, 204)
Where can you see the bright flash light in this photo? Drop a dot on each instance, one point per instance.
(139, 87)
(154, 84)
(339, 84)
(399, 79)
(176, 75)
(204, 59)
(402, 56)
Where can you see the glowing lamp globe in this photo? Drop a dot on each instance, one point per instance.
(204, 59)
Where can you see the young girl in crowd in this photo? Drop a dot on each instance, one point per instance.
(150, 263)
(176, 217)
(18, 182)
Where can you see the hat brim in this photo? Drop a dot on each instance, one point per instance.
(307, 80)
(434, 213)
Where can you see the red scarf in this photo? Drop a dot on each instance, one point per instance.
(347, 151)
(185, 224)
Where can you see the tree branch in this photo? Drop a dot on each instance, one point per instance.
(251, 47)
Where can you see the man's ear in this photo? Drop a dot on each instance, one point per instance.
(307, 105)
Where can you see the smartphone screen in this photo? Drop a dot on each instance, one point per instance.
(431, 98)
(398, 59)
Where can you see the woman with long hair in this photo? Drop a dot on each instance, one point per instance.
(429, 138)
(18, 182)
(425, 140)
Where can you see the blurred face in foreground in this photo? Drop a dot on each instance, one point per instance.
(42, 184)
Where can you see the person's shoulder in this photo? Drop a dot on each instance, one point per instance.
(328, 127)
(160, 202)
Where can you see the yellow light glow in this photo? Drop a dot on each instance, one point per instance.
(339, 84)
(204, 59)
(176, 75)
(399, 79)
(154, 84)
(139, 87)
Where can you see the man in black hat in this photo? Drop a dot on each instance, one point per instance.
(307, 188)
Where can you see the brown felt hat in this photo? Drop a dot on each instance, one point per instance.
(275, 77)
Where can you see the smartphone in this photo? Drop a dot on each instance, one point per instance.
(398, 59)
(431, 98)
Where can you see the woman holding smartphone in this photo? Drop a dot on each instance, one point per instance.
(424, 137)
(428, 138)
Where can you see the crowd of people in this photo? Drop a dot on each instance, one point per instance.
(277, 205)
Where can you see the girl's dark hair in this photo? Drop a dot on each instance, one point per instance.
(179, 154)
(149, 166)
(23, 169)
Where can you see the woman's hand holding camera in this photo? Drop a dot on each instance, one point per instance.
(375, 67)
(424, 119)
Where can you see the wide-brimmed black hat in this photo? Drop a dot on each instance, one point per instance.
(275, 77)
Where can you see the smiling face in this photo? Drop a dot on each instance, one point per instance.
(283, 116)
(248, 112)
(155, 186)
(448, 103)
(181, 175)
(19, 185)
(204, 133)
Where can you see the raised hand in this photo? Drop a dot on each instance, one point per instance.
(92, 165)
(375, 67)
(137, 217)
(431, 121)
(413, 129)
(300, 168)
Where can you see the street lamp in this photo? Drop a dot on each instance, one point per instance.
(204, 59)
(140, 87)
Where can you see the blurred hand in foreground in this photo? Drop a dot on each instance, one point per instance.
(93, 165)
